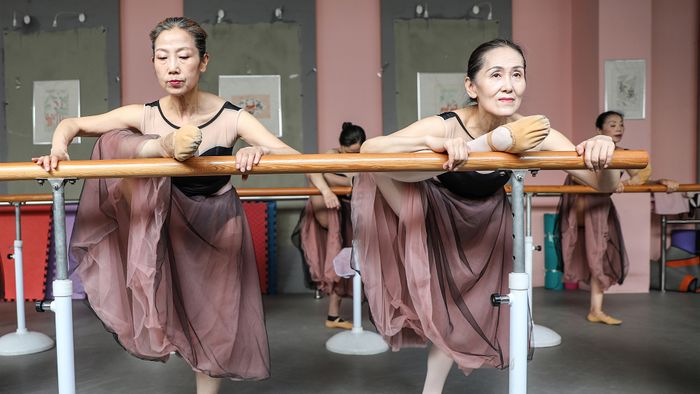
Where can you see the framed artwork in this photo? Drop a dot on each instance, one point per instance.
(625, 85)
(440, 92)
(260, 95)
(53, 101)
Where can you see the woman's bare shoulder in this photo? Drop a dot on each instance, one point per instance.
(211, 100)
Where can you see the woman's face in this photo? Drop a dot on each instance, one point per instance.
(613, 127)
(499, 85)
(354, 148)
(177, 62)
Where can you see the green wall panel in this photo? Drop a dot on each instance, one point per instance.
(433, 45)
(261, 49)
(62, 55)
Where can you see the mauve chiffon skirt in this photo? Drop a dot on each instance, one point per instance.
(429, 272)
(320, 245)
(594, 248)
(170, 273)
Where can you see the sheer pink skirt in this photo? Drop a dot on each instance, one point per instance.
(429, 271)
(594, 248)
(170, 273)
(320, 246)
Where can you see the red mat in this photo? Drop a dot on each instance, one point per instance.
(256, 213)
(35, 236)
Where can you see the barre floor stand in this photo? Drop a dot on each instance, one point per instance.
(22, 341)
(62, 305)
(541, 335)
(357, 341)
(518, 283)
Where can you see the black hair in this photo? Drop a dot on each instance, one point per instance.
(600, 120)
(186, 24)
(476, 59)
(351, 134)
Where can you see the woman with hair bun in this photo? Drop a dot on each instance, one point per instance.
(325, 228)
(168, 264)
(593, 249)
(434, 247)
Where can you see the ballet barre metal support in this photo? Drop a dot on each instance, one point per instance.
(541, 336)
(22, 341)
(518, 283)
(357, 341)
(63, 293)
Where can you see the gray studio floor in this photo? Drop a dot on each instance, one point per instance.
(656, 350)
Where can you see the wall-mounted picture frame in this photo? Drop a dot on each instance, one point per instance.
(440, 92)
(260, 95)
(53, 101)
(625, 87)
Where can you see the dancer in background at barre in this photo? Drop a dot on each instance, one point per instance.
(325, 228)
(593, 250)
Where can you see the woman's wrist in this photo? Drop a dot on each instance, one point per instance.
(59, 150)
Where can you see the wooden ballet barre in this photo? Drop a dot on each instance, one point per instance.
(315, 163)
(243, 192)
(289, 191)
(550, 189)
(20, 198)
(581, 189)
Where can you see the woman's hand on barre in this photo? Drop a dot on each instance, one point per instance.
(670, 184)
(597, 152)
(457, 150)
(50, 162)
(330, 199)
(248, 157)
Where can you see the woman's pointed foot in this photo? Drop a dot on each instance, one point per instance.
(600, 317)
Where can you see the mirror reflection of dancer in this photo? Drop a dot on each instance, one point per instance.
(326, 228)
(168, 264)
(593, 250)
(433, 250)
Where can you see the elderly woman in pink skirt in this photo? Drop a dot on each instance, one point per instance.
(168, 264)
(434, 247)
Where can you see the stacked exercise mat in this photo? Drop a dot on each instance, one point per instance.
(682, 263)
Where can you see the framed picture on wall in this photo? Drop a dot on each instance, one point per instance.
(625, 85)
(53, 101)
(440, 92)
(260, 95)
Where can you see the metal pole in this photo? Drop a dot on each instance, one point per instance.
(517, 181)
(528, 247)
(357, 298)
(356, 341)
(528, 215)
(541, 336)
(63, 293)
(59, 222)
(518, 282)
(662, 266)
(19, 272)
(18, 222)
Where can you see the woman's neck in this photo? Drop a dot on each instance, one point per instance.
(481, 122)
(185, 106)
